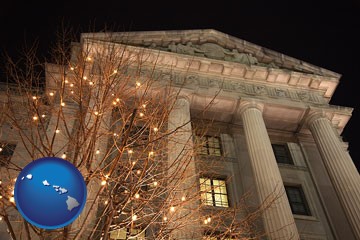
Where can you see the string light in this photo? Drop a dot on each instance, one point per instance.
(165, 219)
(151, 154)
(97, 151)
(118, 99)
(183, 198)
(63, 104)
(155, 183)
(138, 84)
(156, 129)
(114, 103)
(43, 115)
(35, 118)
(1, 151)
(0, 197)
(103, 182)
(51, 94)
(66, 81)
(12, 199)
(1, 218)
(91, 83)
(141, 114)
(130, 151)
(57, 131)
(96, 113)
(137, 195)
(172, 209)
(205, 221)
(34, 97)
(115, 71)
(134, 217)
(84, 77)
(88, 59)
(144, 105)
(72, 92)
(72, 68)
(106, 202)
(71, 85)
(63, 156)
(209, 219)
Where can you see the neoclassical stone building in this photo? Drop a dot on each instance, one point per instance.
(271, 125)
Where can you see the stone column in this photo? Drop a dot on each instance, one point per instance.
(278, 218)
(182, 171)
(341, 169)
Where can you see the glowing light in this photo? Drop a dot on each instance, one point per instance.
(1, 218)
(96, 113)
(51, 94)
(66, 81)
(138, 84)
(0, 197)
(63, 156)
(118, 99)
(34, 97)
(106, 202)
(43, 115)
(151, 154)
(103, 182)
(35, 118)
(72, 68)
(71, 85)
(12, 192)
(88, 58)
(134, 217)
(172, 209)
(1, 149)
(97, 151)
(12, 199)
(156, 129)
(144, 105)
(183, 198)
(91, 83)
(209, 219)
(133, 163)
(72, 92)
(155, 183)
(114, 103)
(63, 104)
(137, 195)
(84, 77)
(57, 131)
(141, 114)
(205, 221)
(115, 71)
(130, 151)
(165, 219)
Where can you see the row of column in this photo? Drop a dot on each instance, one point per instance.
(278, 219)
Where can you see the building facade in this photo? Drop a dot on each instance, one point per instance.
(265, 118)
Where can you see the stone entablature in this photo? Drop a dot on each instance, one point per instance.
(322, 85)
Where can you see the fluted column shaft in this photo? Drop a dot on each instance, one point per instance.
(341, 169)
(182, 171)
(278, 219)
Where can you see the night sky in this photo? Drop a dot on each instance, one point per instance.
(322, 33)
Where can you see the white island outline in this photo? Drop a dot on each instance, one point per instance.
(71, 202)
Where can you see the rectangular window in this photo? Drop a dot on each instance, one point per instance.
(297, 200)
(128, 233)
(282, 154)
(210, 145)
(213, 192)
(6, 152)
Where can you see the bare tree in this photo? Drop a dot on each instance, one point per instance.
(106, 108)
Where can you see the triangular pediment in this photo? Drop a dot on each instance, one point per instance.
(212, 44)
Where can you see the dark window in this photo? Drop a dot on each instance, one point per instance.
(297, 200)
(282, 153)
(6, 152)
(210, 145)
(213, 192)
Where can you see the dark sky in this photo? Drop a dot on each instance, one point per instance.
(323, 33)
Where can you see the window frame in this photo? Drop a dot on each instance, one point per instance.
(290, 160)
(5, 159)
(303, 200)
(204, 194)
(210, 150)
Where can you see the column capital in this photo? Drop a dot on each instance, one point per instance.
(315, 115)
(250, 103)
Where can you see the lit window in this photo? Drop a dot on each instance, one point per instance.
(213, 192)
(127, 233)
(282, 153)
(210, 145)
(297, 200)
(6, 152)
